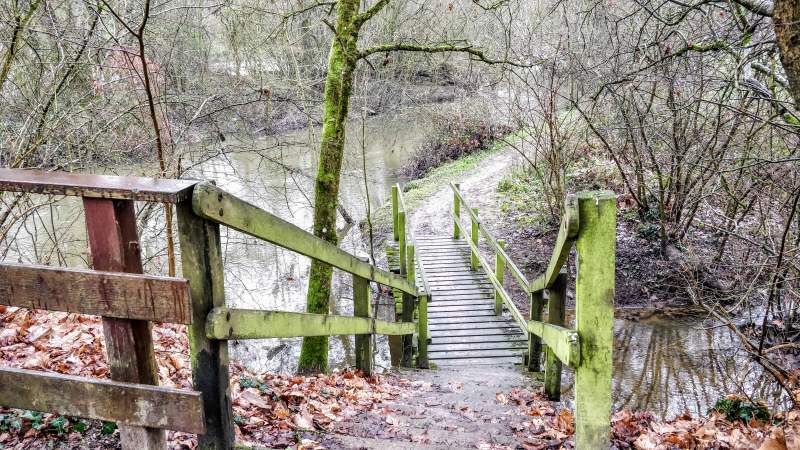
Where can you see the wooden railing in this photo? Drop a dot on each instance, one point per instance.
(129, 303)
(588, 224)
(403, 233)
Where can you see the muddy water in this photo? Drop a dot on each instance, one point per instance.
(276, 174)
(662, 364)
(671, 365)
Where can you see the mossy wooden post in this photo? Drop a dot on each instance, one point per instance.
(401, 244)
(408, 309)
(457, 211)
(594, 317)
(555, 315)
(201, 261)
(362, 308)
(422, 333)
(473, 257)
(395, 197)
(535, 342)
(499, 273)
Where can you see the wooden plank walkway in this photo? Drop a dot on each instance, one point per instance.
(463, 327)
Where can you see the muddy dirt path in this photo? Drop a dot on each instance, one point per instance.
(479, 186)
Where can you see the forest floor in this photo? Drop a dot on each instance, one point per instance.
(488, 408)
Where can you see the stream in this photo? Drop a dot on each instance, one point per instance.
(665, 365)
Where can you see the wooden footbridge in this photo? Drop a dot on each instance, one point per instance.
(452, 305)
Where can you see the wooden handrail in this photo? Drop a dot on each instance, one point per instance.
(216, 205)
(512, 308)
(567, 234)
(400, 207)
(520, 277)
(228, 324)
(96, 186)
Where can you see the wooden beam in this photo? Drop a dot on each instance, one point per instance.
(96, 186)
(114, 246)
(109, 294)
(219, 206)
(227, 324)
(201, 264)
(594, 317)
(564, 342)
(362, 307)
(125, 403)
(566, 237)
(557, 297)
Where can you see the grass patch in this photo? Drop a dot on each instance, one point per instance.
(417, 191)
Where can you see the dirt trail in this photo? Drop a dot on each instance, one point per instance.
(483, 408)
(479, 186)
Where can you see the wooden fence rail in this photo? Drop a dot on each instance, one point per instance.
(129, 302)
(403, 233)
(588, 225)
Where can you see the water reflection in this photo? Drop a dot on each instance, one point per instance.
(671, 365)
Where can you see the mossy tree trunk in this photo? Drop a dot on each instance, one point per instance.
(342, 61)
(338, 87)
(786, 18)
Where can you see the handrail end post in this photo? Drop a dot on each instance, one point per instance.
(594, 317)
(395, 201)
(473, 260)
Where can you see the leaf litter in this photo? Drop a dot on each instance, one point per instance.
(292, 411)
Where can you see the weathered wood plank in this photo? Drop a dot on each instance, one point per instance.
(440, 315)
(566, 237)
(362, 307)
(564, 342)
(225, 323)
(110, 294)
(215, 204)
(444, 307)
(96, 186)
(201, 264)
(114, 246)
(555, 315)
(125, 403)
(490, 332)
(594, 317)
(472, 327)
(437, 347)
(470, 362)
(478, 354)
(464, 339)
(483, 320)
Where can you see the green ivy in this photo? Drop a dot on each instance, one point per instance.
(744, 411)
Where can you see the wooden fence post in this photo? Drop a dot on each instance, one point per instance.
(408, 309)
(362, 308)
(201, 261)
(457, 211)
(473, 260)
(422, 334)
(401, 245)
(395, 200)
(499, 273)
(594, 317)
(535, 342)
(114, 246)
(555, 315)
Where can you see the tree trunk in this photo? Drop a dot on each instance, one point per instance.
(786, 17)
(338, 87)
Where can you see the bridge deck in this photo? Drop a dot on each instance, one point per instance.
(463, 327)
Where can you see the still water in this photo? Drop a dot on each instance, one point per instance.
(661, 364)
